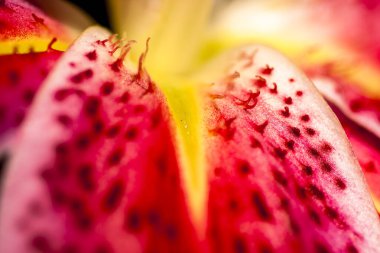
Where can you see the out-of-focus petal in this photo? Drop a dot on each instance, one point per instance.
(31, 25)
(28, 32)
(175, 28)
(315, 32)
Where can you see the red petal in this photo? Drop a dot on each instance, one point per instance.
(283, 176)
(95, 168)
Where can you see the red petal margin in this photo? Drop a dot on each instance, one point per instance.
(360, 117)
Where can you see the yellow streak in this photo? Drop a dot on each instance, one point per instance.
(185, 107)
(25, 45)
(377, 203)
(176, 29)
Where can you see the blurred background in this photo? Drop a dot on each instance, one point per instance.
(96, 8)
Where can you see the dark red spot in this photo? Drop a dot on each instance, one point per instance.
(299, 93)
(150, 87)
(14, 77)
(156, 118)
(274, 89)
(255, 143)
(285, 112)
(266, 70)
(265, 248)
(326, 167)
(233, 205)
(226, 130)
(280, 153)
(356, 105)
(82, 142)
(73, 91)
(310, 131)
(250, 102)
(316, 192)
(291, 80)
(115, 157)
(314, 217)
(260, 127)
(314, 152)
(58, 197)
(84, 221)
(38, 19)
(295, 131)
(260, 82)
(69, 248)
(124, 98)
(326, 147)
(63, 166)
(44, 72)
(60, 95)
(98, 126)
(81, 76)
(301, 192)
(28, 96)
(92, 56)
(19, 118)
(102, 42)
(340, 183)
(320, 248)
(61, 149)
(279, 177)
(40, 243)
(171, 232)
(351, 248)
(162, 163)
(85, 177)
(285, 204)
(4, 158)
(307, 170)
(113, 131)
(305, 118)
(288, 100)
(240, 245)
(106, 88)
(331, 213)
(113, 196)
(295, 227)
(261, 206)
(153, 218)
(76, 205)
(290, 144)
(133, 221)
(64, 120)
(131, 133)
(92, 105)
(243, 167)
(116, 65)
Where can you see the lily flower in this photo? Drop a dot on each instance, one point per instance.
(184, 134)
